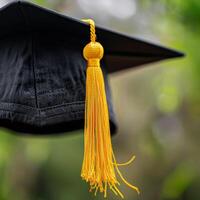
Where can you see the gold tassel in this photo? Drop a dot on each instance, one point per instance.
(99, 163)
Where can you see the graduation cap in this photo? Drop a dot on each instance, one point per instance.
(48, 84)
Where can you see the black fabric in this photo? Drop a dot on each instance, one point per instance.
(42, 84)
(42, 70)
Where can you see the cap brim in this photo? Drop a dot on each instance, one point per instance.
(121, 51)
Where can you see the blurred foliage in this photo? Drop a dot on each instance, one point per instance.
(159, 122)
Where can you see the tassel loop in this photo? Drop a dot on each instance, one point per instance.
(92, 29)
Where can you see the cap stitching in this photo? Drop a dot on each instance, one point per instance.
(25, 107)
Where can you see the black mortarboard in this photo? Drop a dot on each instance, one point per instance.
(43, 77)
(42, 83)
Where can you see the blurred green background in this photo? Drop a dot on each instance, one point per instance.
(159, 121)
